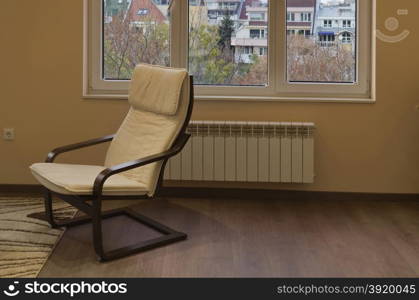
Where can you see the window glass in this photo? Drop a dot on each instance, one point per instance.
(225, 43)
(225, 38)
(135, 31)
(324, 50)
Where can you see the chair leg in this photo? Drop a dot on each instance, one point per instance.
(96, 220)
(49, 213)
(97, 230)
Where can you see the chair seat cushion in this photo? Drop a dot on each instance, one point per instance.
(70, 179)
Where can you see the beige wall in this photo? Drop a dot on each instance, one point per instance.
(359, 147)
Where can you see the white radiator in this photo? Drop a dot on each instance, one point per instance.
(246, 152)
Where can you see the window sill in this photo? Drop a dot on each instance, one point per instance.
(251, 99)
(285, 99)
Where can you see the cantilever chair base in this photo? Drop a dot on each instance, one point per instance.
(169, 235)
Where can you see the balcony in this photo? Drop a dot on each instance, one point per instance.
(252, 42)
(327, 43)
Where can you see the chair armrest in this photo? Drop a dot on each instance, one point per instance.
(54, 153)
(105, 174)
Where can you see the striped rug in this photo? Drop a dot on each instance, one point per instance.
(26, 243)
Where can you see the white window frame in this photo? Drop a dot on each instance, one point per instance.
(278, 88)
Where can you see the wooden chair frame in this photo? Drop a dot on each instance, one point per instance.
(93, 211)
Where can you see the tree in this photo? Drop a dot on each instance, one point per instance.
(257, 72)
(225, 32)
(309, 61)
(126, 45)
(205, 57)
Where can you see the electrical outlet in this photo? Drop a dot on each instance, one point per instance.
(8, 134)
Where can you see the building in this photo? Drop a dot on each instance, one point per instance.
(218, 9)
(251, 38)
(327, 23)
(146, 12)
(335, 24)
(301, 16)
(114, 8)
(161, 2)
(198, 14)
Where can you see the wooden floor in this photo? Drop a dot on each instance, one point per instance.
(255, 238)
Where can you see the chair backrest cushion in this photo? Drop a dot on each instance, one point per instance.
(156, 89)
(145, 132)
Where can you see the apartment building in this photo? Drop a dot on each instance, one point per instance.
(218, 9)
(252, 36)
(335, 23)
(300, 16)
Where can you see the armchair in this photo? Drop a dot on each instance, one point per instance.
(153, 131)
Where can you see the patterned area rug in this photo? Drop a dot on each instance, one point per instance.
(26, 243)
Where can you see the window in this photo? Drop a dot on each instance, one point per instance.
(264, 50)
(347, 24)
(326, 40)
(327, 23)
(248, 50)
(305, 17)
(142, 12)
(222, 52)
(346, 37)
(290, 17)
(254, 33)
(323, 58)
(257, 16)
(131, 35)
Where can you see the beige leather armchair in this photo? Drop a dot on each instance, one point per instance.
(154, 130)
